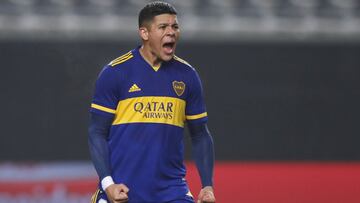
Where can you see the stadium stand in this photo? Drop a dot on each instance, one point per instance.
(233, 18)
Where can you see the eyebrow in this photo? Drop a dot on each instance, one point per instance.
(167, 24)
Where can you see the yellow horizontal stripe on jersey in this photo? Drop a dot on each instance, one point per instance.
(121, 61)
(102, 108)
(151, 109)
(197, 116)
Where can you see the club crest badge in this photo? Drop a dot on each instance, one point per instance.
(179, 87)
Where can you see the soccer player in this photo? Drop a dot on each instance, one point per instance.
(142, 100)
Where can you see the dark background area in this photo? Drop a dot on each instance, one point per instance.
(266, 101)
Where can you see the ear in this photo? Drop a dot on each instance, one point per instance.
(144, 33)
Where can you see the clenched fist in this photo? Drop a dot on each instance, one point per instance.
(206, 195)
(117, 193)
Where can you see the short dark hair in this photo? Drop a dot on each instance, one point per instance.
(153, 9)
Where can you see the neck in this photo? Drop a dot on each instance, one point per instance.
(149, 57)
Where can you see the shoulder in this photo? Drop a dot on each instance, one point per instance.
(121, 60)
(115, 67)
(186, 68)
(182, 63)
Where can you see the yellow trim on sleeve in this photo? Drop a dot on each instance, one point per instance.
(102, 108)
(121, 59)
(193, 117)
(181, 60)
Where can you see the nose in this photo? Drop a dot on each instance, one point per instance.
(171, 31)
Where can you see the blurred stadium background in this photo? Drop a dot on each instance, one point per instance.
(281, 81)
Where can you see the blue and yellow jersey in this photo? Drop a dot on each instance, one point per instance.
(149, 107)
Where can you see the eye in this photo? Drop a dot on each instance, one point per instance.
(175, 27)
(162, 27)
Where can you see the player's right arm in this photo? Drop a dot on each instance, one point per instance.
(102, 114)
(99, 150)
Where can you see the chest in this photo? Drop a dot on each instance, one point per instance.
(149, 96)
(166, 82)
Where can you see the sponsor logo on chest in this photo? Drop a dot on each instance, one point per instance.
(155, 109)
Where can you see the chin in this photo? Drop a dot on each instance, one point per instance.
(167, 57)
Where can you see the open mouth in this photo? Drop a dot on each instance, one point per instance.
(169, 47)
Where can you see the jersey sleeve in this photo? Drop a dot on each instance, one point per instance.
(106, 96)
(195, 106)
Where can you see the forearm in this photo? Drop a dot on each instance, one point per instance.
(203, 152)
(98, 146)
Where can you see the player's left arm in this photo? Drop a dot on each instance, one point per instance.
(202, 142)
(203, 154)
